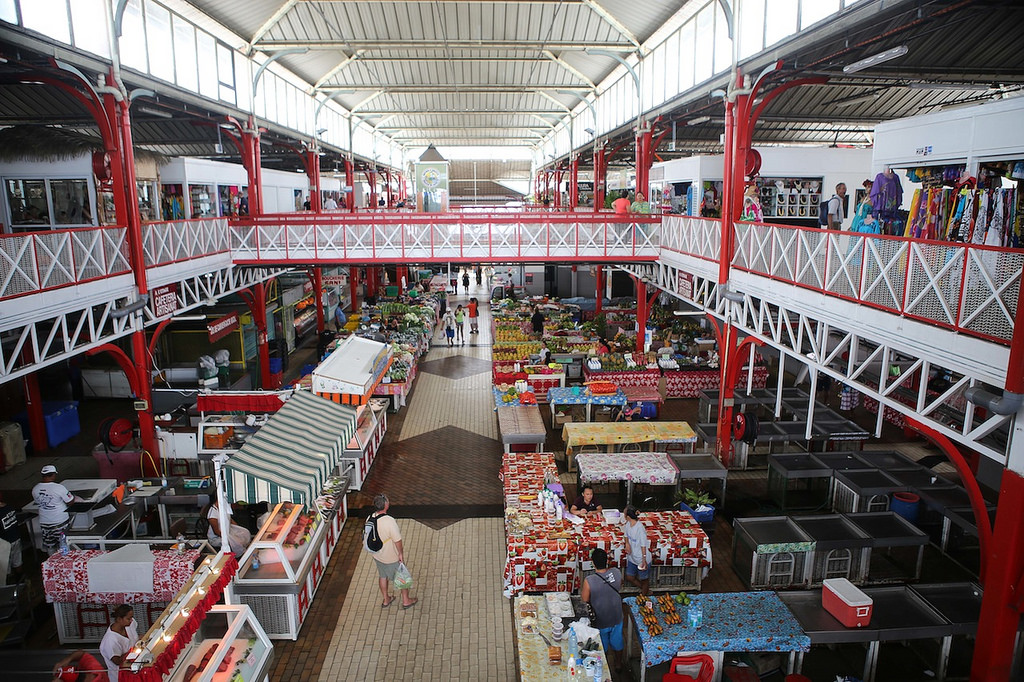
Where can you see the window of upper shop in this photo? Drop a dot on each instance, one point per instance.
(89, 24)
(160, 42)
(705, 43)
(49, 17)
(780, 20)
(226, 73)
(9, 11)
(133, 37)
(813, 12)
(43, 204)
(751, 27)
(185, 53)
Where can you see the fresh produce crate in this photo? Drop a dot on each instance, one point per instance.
(675, 578)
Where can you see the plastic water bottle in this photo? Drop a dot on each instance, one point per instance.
(598, 669)
(574, 649)
(255, 561)
(63, 544)
(181, 543)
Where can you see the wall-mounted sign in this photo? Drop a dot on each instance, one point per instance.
(585, 186)
(221, 327)
(165, 299)
(335, 280)
(684, 286)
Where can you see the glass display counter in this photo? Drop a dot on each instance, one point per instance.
(281, 570)
(360, 452)
(229, 646)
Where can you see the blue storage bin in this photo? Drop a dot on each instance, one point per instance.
(275, 365)
(60, 419)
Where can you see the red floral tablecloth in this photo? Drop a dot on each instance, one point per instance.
(66, 578)
(646, 378)
(547, 555)
(685, 383)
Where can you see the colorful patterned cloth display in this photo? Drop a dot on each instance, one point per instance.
(569, 396)
(639, 467)
(579, 434)
(688, 383)
(645, 378)
(735, 621)
(545, 554)
(66, 578)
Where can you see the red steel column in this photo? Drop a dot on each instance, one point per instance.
(599, 274)
(574, 181)
(316, 276)
(641, 313)
(312, 164)
(34, 408)
(253, 167)
(126, 202)
(256, 299)
(353, 287)
(644, 137)
(557, 203)
(372, 276)
(350, 181)
(371, 177)
(600, 179)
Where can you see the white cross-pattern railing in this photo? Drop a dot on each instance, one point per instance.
(180, 240)
(969, 288)
(38, 261)
(424, 238)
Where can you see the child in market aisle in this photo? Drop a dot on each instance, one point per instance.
(448, 322)
(460, 318)
(474, 316)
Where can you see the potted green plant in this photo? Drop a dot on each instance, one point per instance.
(699, 503)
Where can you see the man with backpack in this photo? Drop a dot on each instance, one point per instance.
(830, 213)
(383, 540)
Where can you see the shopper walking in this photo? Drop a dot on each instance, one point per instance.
(537, 322)
(479, 275)
(381, 531)
(465, 281)
(448, 323)
(638, 552)
(474, 316)
(601, 591)
(119, 638)
(460, 330)
(53, 499)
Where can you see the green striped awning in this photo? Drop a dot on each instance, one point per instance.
(289, 459)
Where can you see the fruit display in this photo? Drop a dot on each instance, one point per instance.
(510, 335)
(602, 387)
(668, 607)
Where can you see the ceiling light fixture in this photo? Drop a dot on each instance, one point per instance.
(859, 99)
(156, 112)
(697, 121)
(950, 86)
(876, 59)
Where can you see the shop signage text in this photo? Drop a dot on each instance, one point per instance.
(165, 299)
(223, 326)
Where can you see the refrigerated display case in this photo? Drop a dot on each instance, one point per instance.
(360, 452)
(281, 570)
(229, 646)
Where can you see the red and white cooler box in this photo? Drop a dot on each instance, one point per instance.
(846, 602)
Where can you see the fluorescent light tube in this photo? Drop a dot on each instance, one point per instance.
(875, 59)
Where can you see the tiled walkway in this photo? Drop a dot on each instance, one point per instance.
(439, 465)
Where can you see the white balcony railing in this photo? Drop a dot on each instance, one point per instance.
(970, 288)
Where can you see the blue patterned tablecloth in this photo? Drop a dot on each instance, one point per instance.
(733, 621)
(566, 396)
(515, 403)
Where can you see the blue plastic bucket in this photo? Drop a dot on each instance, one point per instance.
(906, 505)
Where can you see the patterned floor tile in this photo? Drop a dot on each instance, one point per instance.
(456, 366)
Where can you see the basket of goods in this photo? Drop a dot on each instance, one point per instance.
(602, 388)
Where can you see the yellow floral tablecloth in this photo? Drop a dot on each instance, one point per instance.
(577, 434)
(533, 651)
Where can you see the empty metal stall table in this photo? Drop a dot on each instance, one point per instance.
(890, 531)
(735, 621)
(798, 475)
(771, 552)
(522, 425)
(701, 467)
(841, 549)
(899, 613)
(935, 515)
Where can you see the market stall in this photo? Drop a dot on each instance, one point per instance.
(95, 504)
(522, 425)
(735, 622)
(639, 377)
(546, 551)
(283, 567)
(350, 375)
(650, 468)
(537, 643)
(197, 640)
(688, 382)
(576, 396)
(610, 435)
(85, 586)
